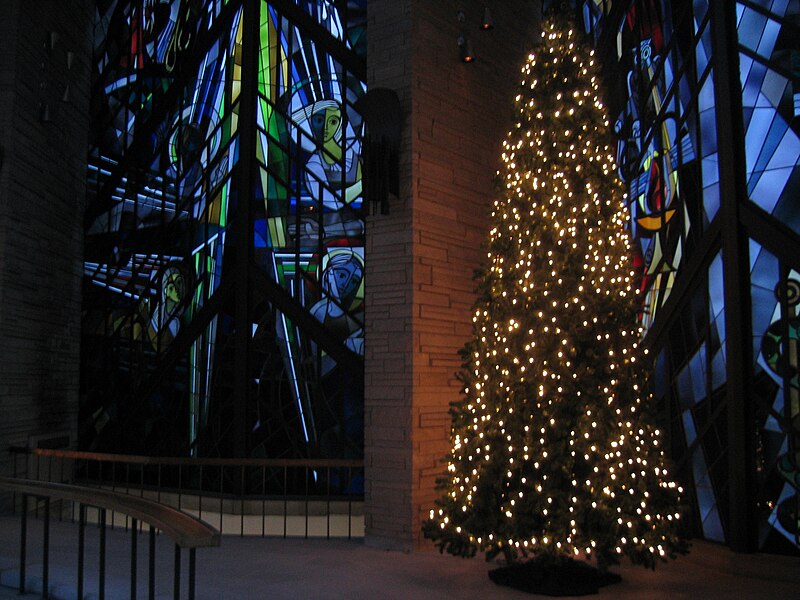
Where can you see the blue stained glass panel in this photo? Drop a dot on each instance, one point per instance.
(773, 89)
(718, 373)
(660, 375)
(689, 429)
(788, 149)
(705, 98)
(701, 57)
(700, 9)
(685, 389)
(779, 7)
(716, 309)
(685, 91)
(763, 300)
(716, 293)
(697, 366)
(763, 266)
(705, 47)
(711, 200)
(756, 135)
(767, 44)
(772, 145)
(712, 526)
(751, 74)
(751, 28)
(769, 188)
(710, 170)
(764, 276)
(706, 498)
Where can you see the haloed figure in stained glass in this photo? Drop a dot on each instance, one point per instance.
(158, 320)
(163, 324)
(333, 172)
(343, 286)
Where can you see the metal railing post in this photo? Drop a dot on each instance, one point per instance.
(127, 489)
(60, 480)
(176, 576)
(349, 504)
(285, 497)
(101, 584)
(14, 493)
(23, 543)
(151, 577)
(185, 529)
(200, 494)
(328, 506)
(81, 546)
(306, 501)
(241, 505)
(263, 499)
(46, 550)
(191, 572)
(113, 487)
(134, 533)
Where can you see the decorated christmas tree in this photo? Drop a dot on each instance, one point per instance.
(554, 450)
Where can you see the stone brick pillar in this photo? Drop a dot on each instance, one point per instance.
(421, 256)
(44, 105)
(389, 299)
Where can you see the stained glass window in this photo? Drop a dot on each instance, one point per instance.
(775, 295)
(659, 127)
(768, 47)
(197, 229)
(668, 154)
(690, 378)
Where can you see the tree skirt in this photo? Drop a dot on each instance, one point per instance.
(546, 576)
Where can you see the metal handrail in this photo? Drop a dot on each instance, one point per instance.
(318, 463)
(212, 483)
(187, 531)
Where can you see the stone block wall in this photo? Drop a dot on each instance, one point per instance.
(421, 257)
(389, 297)
(42, 183)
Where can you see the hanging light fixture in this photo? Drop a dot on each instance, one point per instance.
(486, 21)
(465, 46)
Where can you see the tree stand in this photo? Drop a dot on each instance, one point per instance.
(553, 576)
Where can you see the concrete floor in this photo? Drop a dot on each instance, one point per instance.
(255, 568)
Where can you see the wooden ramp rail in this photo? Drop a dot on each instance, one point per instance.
(186, 530)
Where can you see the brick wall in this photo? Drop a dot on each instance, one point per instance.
(42, 178)
(421, 257)
(389, 300)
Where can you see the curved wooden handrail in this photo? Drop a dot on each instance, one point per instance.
(319, 463)
(186, 530)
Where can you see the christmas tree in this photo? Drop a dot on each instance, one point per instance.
(553, 448)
